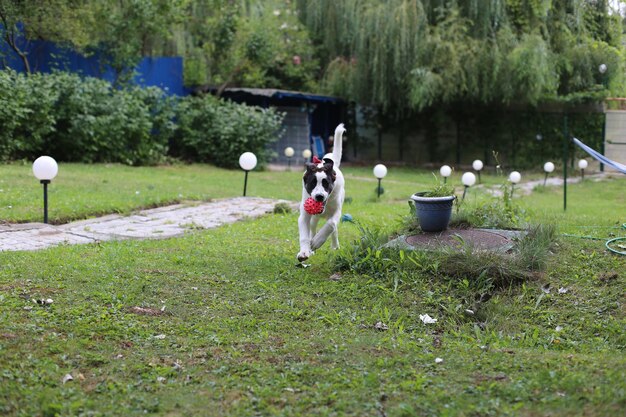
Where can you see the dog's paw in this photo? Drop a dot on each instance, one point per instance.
(304, 255)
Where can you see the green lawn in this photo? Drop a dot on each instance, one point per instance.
(245, 332)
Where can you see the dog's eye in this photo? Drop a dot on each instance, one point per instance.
(325, 183)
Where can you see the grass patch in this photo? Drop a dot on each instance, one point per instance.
(237, 329)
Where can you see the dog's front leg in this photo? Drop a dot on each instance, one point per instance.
(304, 226)
(330, 228)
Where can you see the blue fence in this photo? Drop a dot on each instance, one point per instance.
(43, 56)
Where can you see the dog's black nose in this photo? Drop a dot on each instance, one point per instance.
(319, 198)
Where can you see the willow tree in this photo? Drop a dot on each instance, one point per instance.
(406, 55)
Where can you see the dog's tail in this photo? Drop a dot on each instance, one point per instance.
(338, 144)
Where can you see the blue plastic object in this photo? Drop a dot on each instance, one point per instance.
(433, 213)
(346, 217)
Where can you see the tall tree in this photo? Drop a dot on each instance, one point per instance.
(406, 55)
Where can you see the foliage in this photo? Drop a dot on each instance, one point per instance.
(408, 55)
(86, 120)
(440, 190)
(249, 44)
(218, 132)
(126, 31)
(66, 22)
(484, 269)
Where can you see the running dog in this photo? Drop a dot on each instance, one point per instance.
(324, 182)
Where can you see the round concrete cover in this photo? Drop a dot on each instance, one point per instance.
(479, 238)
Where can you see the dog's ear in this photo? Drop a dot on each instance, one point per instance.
(328, 168)
(328, 164)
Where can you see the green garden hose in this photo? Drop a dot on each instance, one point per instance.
(608, 243)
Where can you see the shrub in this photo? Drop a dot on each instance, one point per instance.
(82, 119)
(218, 132)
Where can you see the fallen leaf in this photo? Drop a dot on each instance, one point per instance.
(335, 277)
(381, 326)
(426, 319)
(146, 311)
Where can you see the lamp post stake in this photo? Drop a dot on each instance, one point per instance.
(45, 200)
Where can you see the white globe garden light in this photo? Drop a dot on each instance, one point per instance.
(582, 164)
(306, 154)
(247, 162)
(445, 172)
(380, 171)
(514, 177)
(468, 179)
(548, 167)
(477, 165)
(602, 68)
(289, 152)
(45, 169)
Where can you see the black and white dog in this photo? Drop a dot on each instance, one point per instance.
(323, 182)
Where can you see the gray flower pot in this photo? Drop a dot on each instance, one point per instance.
(433, 213)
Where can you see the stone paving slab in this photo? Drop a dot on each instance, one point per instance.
(158, 223)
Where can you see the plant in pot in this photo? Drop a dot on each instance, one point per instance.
(433, 208)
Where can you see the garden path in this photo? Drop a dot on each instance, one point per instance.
(158, 223)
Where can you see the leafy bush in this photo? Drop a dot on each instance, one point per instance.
(218, 132)
(88, 120)
(82, 119)
(26, 114)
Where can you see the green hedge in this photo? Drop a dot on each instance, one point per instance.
(88, 120)
(219, 131)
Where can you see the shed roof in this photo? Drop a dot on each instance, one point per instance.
(280, 94)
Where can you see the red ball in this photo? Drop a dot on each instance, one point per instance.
(313, 207)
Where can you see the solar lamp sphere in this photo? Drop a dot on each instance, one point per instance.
(515, 177)
(468, 179)
(380, 171)
(445, 171)
(583, 164)
(548, 167)
(45, 168)
(247, 161)
(306, 153)
(477, 165)
(602, 68)
(289, 152)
